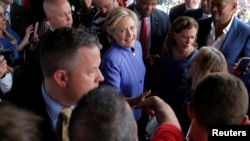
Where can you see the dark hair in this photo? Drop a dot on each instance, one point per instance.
(179, 24)
(17, 124)
(220, 98)
(103, 115)
(62, 45)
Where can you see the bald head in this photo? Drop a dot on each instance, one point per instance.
(58, 13)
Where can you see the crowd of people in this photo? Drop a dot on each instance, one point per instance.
(113, 66)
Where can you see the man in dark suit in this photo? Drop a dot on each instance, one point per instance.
(158, 25)
(180, 10)
(201, 13)
(196, 13)
(226, 33)
(70, 62)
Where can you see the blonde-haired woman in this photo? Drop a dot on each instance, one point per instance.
(10, 41)
(208, 60)
(122, 65)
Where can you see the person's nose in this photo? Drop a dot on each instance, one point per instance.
(188, 40)
(213, 8)
(100, 77)
(129, 33)
(69, 17)
(103, 10)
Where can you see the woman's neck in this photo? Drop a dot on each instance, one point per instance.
(1, 34)
(182, 54)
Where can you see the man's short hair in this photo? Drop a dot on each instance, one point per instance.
(220, 98)
(17, 124)
(59, 49)
(102, 115)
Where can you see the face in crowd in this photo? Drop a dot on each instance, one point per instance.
(58, 13)
(222, 10)
(2, 18)
(104, 6)
(146, 7)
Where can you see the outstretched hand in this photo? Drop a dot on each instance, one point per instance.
(155, 106)
(139, 99)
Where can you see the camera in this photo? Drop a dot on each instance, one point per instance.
(8, 56)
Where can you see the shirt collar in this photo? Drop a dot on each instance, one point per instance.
(138, 13)
(225, 30)
(52, 106)
(206, 15)
(196, 7)
(8, 8)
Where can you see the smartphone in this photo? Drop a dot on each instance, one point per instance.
(35, 29)
(243, 63)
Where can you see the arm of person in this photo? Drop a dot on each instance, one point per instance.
(157, 107)
(6, 83)
(110, 70)
(5, 76)
(139, 99)
(3, 66)
(169, 127)
(26, 39)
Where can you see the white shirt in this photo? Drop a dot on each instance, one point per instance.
(212, 41)
(6, 83)
(204, 15)
(196, 7)
(7, 14)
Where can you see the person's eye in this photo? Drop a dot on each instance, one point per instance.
(132, 27)
(122, 30)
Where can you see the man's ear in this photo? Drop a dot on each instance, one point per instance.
(61, 77)
(190, 111)
(245, 120)
(235, 6)
(48, 18)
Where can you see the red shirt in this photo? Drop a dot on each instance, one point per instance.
(168, 132)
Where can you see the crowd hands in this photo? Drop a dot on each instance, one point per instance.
(30, 38)
(4, 68)
(237, 72)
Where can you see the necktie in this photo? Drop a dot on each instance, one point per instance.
(65, 116)
(143, 35)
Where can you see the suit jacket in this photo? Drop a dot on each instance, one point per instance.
(36, 8)
(236, 43)
(160, 25)
(20, 19)
(195, 13)
(34, 102)
(176, 11)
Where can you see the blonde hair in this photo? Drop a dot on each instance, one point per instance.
(6, 33)
(114, 17)
(208, 60)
